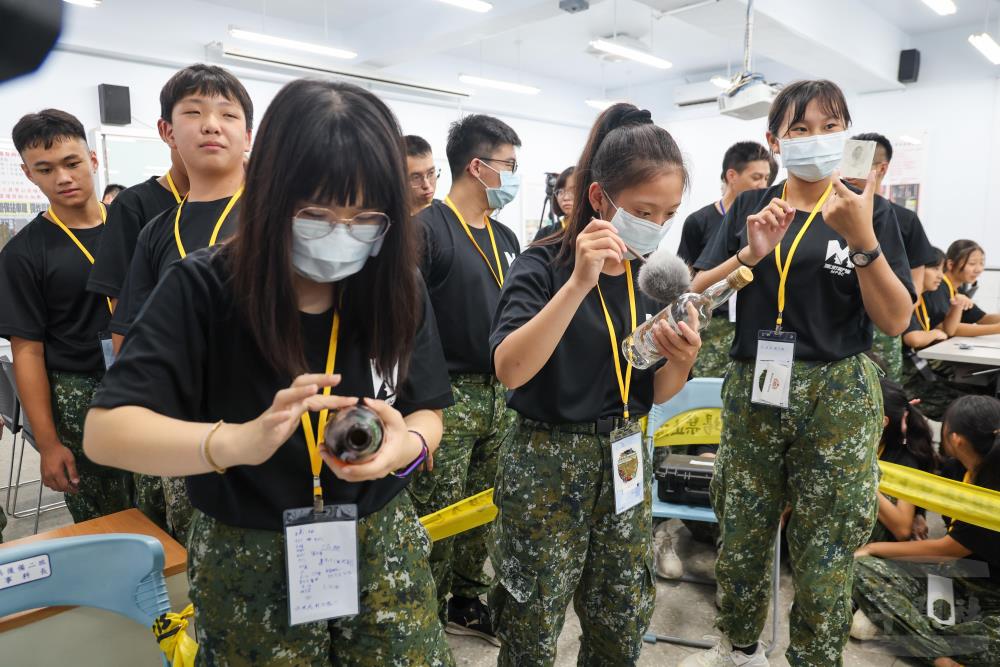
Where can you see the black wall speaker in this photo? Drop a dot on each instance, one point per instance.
(909, 66)
(116, 107)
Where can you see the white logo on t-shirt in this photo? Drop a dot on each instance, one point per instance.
(509, 256)
(841, 258)
(381, 387)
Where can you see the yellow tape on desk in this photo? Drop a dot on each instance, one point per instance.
(965, 502)
(463, 515)
(702, 426)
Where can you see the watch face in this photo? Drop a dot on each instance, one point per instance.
(860, 259)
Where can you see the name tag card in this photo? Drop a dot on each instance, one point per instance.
(772, 373)
(626, 469)
(321, 561)
(107, 349)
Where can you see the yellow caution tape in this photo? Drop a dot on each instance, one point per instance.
(965, 502)
(702, 426)
(463, 515)
(171, 634)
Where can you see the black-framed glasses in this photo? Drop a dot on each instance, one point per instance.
(369, 226)
(416, 180)
(512, 163)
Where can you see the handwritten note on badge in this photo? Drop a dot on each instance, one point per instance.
(322, 566)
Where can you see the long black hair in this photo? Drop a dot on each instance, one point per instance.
(624, 148)
(907, 429)
(977, 419)
(327, 141)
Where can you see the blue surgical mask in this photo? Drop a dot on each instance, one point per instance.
(328, 255)
(642, 235)
(813, 158)
(510, 183)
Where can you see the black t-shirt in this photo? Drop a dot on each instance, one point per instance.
(823, 303)
(191, 356)
(699, 227)
(578, 383)
(127, 215)
(463, 291)
(156, 250)
(938, 304)
(548, 230)
(919, 250)
(982, 542)
(42, 279)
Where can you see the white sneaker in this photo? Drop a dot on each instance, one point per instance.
(862, 627)
(724, 655)
(668, 565)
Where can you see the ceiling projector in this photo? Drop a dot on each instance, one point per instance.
(749, 98)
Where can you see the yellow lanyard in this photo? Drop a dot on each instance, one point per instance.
(218, 225)
(925, 321)
(626, 382)
(493, 241)
(173, 188)
(312, 442)
(783, 270)
(72, 237)
(951, 286)
(562, 221)
(966, 479)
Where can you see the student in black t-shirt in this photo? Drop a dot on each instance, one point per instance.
(801, 420)
(207, 116)
(51, 322)
(110, 192)
(891, 585)
(906, 441)
(745, 166)
(570, 526)
(467, 256)
(134, 207)
(965, 261)
(221, 376)
(918, 250)
(562, 204)
(421, 174)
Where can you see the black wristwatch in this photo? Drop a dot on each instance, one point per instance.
(862, 259)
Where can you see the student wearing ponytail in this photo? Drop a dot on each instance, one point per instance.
(890, 588)
(802, 410)
(573, 488)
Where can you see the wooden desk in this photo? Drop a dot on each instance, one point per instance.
(87, 636)
(982, 350)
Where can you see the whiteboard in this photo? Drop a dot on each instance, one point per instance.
(128, 157)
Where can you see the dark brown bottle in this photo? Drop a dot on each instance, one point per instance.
(354, 434)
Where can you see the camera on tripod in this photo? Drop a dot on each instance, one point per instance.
(551, 179)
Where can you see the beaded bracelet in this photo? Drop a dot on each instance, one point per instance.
(417, 461)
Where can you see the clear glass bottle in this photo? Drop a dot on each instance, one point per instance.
(354, 434)
(639, 348)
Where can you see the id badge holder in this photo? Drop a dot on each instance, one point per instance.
(107, 348)
(321, 563)
(772, 373)
(941, 599)
(627, 468)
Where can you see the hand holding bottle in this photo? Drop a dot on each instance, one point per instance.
(678, 347)
(399, 448)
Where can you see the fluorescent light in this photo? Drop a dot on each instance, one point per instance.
(471, 5)
(942, 7)
(720, 81)
(308, 47)
(600, 105)
(616, 49)
(90, 4)
(907, 139)
(499, 85)
(987, 46)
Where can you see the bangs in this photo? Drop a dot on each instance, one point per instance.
(793, 101)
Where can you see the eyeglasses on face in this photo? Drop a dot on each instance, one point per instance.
(369, 226)
(510, 163)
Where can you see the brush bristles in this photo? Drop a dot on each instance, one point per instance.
(664, 276)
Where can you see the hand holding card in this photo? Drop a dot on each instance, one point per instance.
(857, 159)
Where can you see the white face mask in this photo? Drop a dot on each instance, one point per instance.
(642, 235)
(813, 158)
(328, 255)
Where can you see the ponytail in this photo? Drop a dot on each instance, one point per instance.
(625, 148)
(977, 419)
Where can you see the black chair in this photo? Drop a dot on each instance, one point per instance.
(27, 435)
(10, 419)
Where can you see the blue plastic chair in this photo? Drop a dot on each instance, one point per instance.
(699, 393)
(121, 573)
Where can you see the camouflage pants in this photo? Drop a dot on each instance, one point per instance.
(890, 350)
(240, 595)
(557, 538)
(893, 594)
(716, 341)
(820, 456)
(464, 464)
(102, 490)
(165, 502)
(935, 396)
(149, 499)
